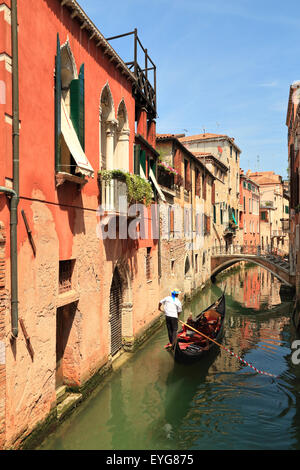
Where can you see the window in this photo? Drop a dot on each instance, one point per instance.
(187, 185)
(172, 266)
(171, 221)
(231, 150)
(198, 183)
(206, 225)
(187, 266)
(263, 216)
(196, 263)
(148, 264)
(215, 214)
(70, 114)
(65, 275)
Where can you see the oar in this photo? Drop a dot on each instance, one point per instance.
(227, 350)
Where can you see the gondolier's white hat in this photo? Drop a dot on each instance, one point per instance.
(176, 291)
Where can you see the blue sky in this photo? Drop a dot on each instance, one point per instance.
(225, 67)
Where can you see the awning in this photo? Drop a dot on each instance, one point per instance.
(73, 144)
(154, 181)
(234, 218)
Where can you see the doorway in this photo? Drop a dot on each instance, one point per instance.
(115, 313)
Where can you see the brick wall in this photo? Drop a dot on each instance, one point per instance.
(2, 337)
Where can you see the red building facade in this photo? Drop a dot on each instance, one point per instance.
(293, 124)
(82, 297)
(249, 215)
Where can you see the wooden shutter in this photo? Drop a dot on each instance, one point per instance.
(213, 193)
(171, 219)
(143, 161)
(57, 104)
(204, 187)
(137, 150)
(78, 106)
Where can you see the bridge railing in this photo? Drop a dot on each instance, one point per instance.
(236, 250)
(255, 250)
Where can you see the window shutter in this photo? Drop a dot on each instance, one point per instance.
(57, 105)
(78, 106)
(171, 219)
(137, 150)
(153, 166)
(213, 193)
(143, 160)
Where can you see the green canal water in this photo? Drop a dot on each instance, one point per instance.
(153, 404)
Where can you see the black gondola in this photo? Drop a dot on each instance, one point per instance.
(190, 346)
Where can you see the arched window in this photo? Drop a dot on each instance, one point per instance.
(107, 129)
(187, 266)
(122, 139)
(68, 74)
(69, 115)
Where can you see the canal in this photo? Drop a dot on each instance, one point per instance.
(152, 403)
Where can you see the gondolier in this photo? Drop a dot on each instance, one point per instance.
(172, 307)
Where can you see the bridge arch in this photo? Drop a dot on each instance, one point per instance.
(263, 264)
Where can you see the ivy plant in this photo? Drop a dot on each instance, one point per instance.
(138, 189)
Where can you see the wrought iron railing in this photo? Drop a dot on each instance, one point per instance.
(145, 87)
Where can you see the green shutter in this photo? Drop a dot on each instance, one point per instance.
(153, 167)
(143, 160)
(57, 105)
(77, 106)
(137, 150)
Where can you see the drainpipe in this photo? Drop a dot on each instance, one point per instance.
(13, 258)
(14, 193)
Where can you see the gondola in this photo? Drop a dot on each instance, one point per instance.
(189, 346)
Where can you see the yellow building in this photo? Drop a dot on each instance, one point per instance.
(227, 153)
(274, 210)
(186, 216)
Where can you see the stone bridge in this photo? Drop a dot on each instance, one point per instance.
(223, 258)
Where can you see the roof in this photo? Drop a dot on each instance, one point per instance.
(95, 35)
(245, 177)
(202, 137)
(165, 136)
(265, 177)
(209, 136)
(174, 138)
(203, 155)
(146, 144)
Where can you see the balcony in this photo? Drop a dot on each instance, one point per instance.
(267, 205)
(166, 180)
(285, 225)
(230, 230)
(119, 191)
(113, 198)
(278, 233)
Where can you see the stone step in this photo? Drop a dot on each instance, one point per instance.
(68, 404)
(61, 393)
